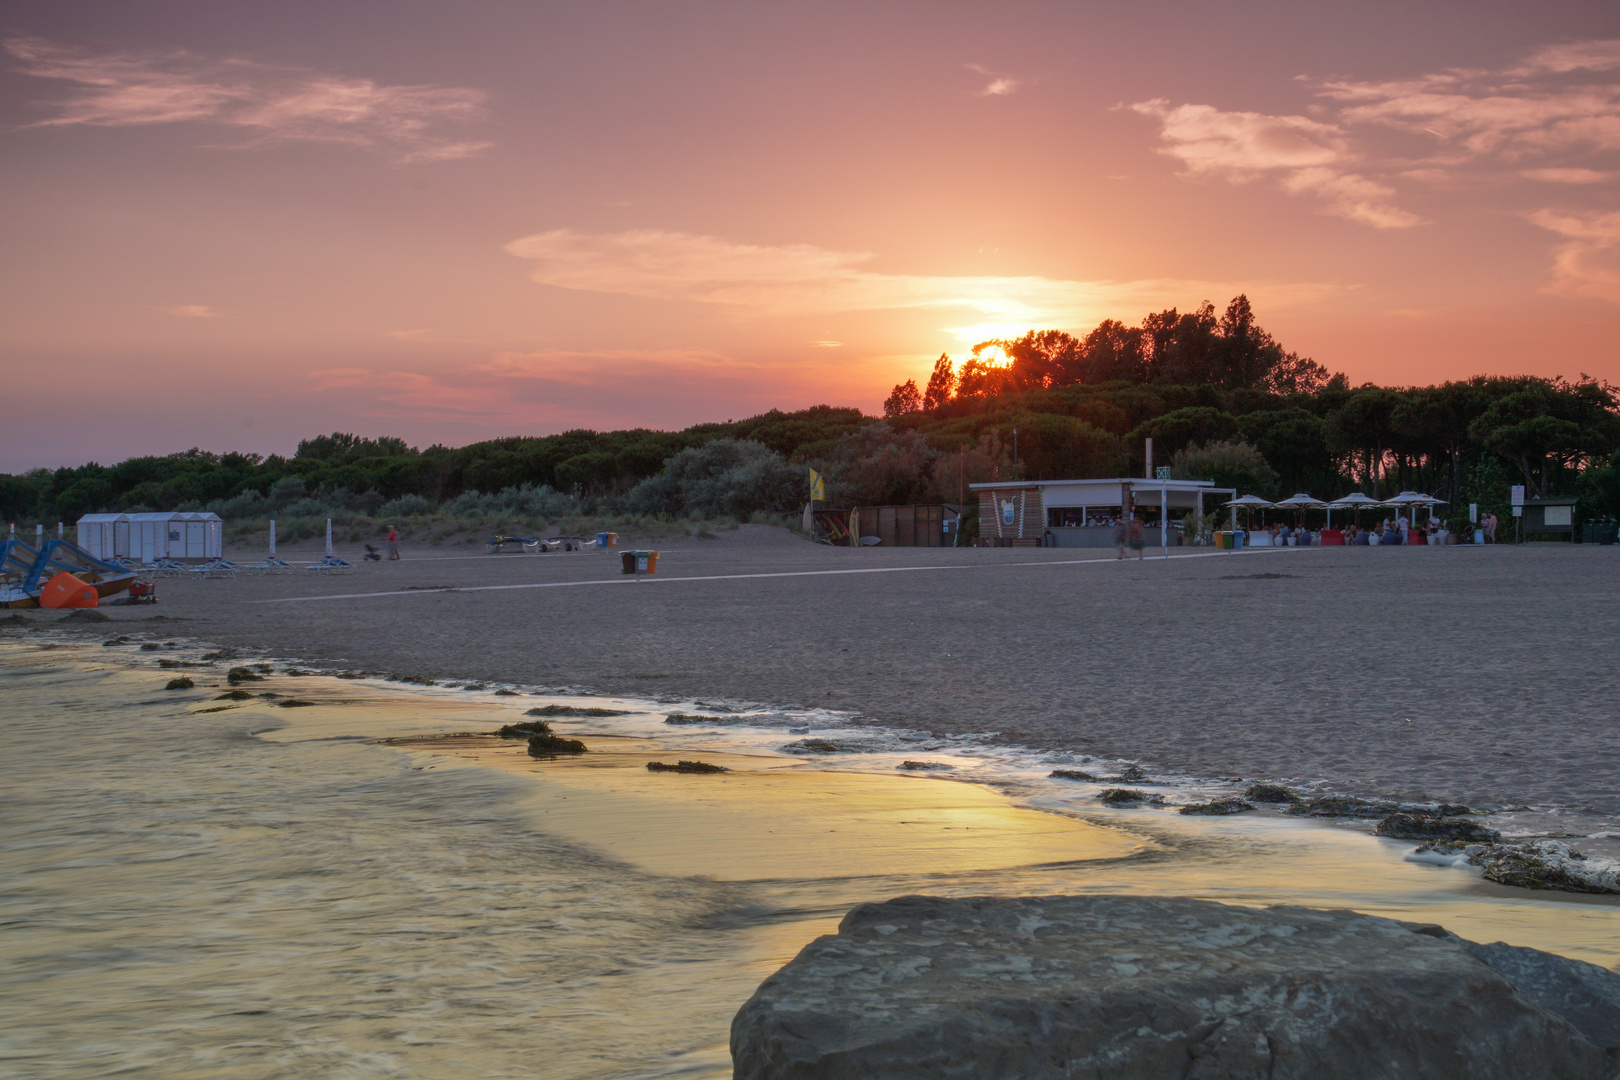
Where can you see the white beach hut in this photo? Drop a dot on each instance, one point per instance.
(176, 535)
(106, 536)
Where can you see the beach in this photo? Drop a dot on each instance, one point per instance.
(1477, 675)
(327, 865)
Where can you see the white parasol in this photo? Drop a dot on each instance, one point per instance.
(1353, 501)
(1247, 502)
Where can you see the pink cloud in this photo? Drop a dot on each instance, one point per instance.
(264, 102)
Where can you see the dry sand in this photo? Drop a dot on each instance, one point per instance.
(1485, 675)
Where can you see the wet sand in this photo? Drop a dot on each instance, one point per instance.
(1479, 675)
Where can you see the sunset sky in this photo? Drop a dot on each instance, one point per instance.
(236, 225)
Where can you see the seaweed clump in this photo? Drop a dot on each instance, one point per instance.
(1217, 807)
(234, 695)
(1131, 774)
(925, 766)
(182, 683)
(692, 718)
(1118, 796)
(574, 710)
(524, 728)
(545, 744)
(293, 703)
(1270, 793)
(813, 746)
(242, 675)
(1070, 774)
(686, 767)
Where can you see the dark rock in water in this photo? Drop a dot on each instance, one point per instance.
(507, 693)
(242, 675)
(1131, 774)
(293, 703)
(1270, 793)
(813, 746)
(544, 744)
(1118, 796)
(476, 686)
(1546, 865)
(1070, 774)
(416, 680)
(686, 767)
(348, 675)
(121, 639)
(1141, 988)
(1342, 806)
(83, 615)
(524, 729)
(692, 718)
(234, 695)
(182, 683)
(574, 710)
(1217, 807)
(925, 766)
(1416, 827)
(221, 654)
(151, 646)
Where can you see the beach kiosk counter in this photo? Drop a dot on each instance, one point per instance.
(1077, 513)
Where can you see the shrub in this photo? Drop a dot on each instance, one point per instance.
(725, 477)
(405, 506)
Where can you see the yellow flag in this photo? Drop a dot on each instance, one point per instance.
(818, 486)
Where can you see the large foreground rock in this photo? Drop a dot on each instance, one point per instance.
(1129, 988)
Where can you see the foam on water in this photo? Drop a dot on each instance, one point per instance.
(263, 891)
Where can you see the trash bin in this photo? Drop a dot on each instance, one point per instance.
(606, 540)
(1479, 536)
(1240, 539)
(627, 562)
(647, 562)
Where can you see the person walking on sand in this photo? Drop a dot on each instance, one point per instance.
(1136, 536)
(393, 543)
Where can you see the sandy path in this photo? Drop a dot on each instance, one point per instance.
(1485, 675)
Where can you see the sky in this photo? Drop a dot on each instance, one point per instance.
(234, 226)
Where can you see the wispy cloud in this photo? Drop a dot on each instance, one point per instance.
(998, 86)
(799, 279)
(1569, 176)
(1304, 155)
(264, 103)
(1541, 120)
(1588, 263)
(603, 388)
(191, 311)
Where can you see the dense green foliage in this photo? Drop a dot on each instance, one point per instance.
(1218, 396)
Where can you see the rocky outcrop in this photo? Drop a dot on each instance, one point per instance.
(1418, 827)
(1139, 988)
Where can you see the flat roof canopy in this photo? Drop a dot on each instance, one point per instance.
(1060, 494)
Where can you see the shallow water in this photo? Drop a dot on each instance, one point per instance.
(262, 891)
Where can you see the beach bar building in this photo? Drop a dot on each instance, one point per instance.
(1080, 513)
(178, 534)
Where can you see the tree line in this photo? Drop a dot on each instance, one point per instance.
(1219, 396)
